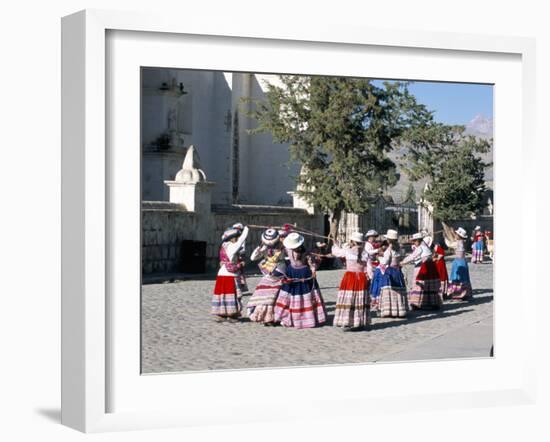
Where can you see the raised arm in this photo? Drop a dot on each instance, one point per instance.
(233, 247)
(413, 256)
(338, 251)
(258, 253)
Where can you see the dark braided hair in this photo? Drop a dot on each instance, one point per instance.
(360, 249)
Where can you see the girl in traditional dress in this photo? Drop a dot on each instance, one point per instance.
(226, 304)
(439, 259)
(370, 251)
(388, 278)
(425, 285)
(478, 244)
(352, 304)
(242, 285)
(460, 287)
(374, 284)
(299, 303)
(261, 306)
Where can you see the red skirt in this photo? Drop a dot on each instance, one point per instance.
(225, 301)
(428, 270)
(442, 270)
(425, 291)
(352, 304)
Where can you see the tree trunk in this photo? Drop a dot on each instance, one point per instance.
(335, 223)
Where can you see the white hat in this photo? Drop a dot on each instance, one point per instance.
(230, 233)
(428, 240)
(293, 240)
(417, 236)
(238, 226)
(371, 232)
(477, 228)
(357, 237)
(461, 232)
(391, 234)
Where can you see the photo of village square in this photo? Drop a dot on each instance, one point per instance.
(293, 220)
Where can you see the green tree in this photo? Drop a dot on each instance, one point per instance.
(454, 166)
(340, 130)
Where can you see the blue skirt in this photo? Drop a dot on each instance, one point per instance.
(478, 245)
(299, 303)
(459, 271)
(392, 277)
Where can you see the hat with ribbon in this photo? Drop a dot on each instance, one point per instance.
(270, 237)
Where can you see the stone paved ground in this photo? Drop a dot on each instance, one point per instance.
(178, 333)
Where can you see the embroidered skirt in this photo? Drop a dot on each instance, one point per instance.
(299, 303)
(225, 301)
(425, 289)
(352, 304)
(392, 293)
(261, 305)
(460, 286)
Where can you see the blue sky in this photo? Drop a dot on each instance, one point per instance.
(454, 103)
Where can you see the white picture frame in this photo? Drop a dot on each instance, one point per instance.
(87, 211)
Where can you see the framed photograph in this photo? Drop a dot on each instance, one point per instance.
(257, 216)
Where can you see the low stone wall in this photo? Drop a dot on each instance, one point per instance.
(263, 216)
(165, 227)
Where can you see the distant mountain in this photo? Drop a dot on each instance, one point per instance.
(480, 126)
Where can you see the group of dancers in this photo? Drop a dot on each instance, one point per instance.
(481, 241)
(288, 293)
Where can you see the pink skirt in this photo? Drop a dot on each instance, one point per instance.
(261, 305)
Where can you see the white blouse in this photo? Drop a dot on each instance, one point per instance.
(353, 264)
(370, 252)
(419, 254)
(390, 257)
(231, 249)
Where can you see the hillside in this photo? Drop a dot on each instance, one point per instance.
(479, 126)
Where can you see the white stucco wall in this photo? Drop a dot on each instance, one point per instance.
(268, 172)
(205, 119)
(201, 121)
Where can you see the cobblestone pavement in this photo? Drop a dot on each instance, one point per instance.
(179, 334)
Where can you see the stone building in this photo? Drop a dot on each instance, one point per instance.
(207, 109)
